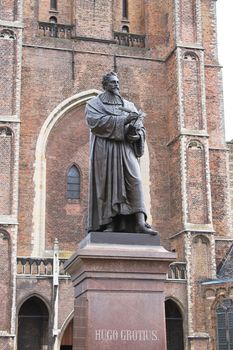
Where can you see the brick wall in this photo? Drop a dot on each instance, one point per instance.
(6, 151)
(219, 191)
(94, 19)
(136, 16)
(8, 10)
(230, 157)
(68, 144)
(10, 64)
(39, 97)
(192, 92)
(5, 281)
(7, 59)
(188, 20)
(64, 12)
(159, 26)
(196, 183)
(209, 31)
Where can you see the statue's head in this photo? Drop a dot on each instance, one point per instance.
(110, 83)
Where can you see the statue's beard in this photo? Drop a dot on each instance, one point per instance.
(112, 97)
(116, 91)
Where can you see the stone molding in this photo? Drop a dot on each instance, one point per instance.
(39, 178)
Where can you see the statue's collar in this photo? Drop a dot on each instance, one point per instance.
(111, 99)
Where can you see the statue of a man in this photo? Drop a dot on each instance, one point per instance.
(116, 200)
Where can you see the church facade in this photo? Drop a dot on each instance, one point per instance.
(53, 56)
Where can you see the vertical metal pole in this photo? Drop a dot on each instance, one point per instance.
(55, 293)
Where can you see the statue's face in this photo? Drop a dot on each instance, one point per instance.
(112, 85)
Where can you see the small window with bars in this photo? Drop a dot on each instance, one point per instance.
(73, 183)
(224, 313)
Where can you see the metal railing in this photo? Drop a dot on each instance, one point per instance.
(38, 266)
(129, 39)
(55, 30)
(177, 271)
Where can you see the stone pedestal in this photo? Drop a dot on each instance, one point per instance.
(119, 299)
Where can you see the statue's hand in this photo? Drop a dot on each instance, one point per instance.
(130, 117)
(132, 138)
(132, 134)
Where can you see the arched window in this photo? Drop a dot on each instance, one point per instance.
(125, 29)
(224, 313)
(53, 28)
(53, 4)
(53, 19)
(174, 326)
(125, 8)
(33, 323)
(73, 183)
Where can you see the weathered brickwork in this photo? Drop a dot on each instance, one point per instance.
(10, 81)
(66, 301)
(7, 55)
(220, 192)
(177, 84)
(192, 91)
(196, 183)
(63, 13)
(209, 33)
(69, 216)
(5, 280)
(215, 121)
(201, 270)
(135, 20)
(6, 150)
(94, 19)
(230, 157)
(35, 112)
(188, 19)
(8, 10)
(175, 188)
(173, 118)
(6, 343)
(159, 26)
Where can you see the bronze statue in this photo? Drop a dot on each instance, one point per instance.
(116, 200)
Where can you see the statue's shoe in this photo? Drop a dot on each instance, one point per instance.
(146, 228)
(109, 228)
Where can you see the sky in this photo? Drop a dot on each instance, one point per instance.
(225, 32)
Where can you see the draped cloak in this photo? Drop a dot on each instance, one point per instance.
(115, 186)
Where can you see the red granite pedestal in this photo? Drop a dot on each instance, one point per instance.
(119, 292)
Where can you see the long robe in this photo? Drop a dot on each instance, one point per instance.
(115, 186)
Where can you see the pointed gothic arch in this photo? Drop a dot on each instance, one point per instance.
(33, 324)
(38, 234)
(73, 182)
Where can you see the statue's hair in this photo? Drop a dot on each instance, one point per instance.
(107, 77)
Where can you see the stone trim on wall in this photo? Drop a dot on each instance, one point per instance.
(39, 178)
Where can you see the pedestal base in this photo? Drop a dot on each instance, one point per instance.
(119, 300)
